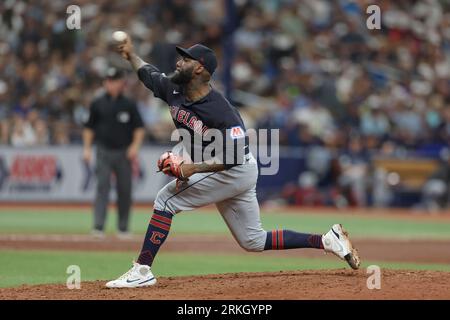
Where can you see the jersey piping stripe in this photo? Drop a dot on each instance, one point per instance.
(165, 202)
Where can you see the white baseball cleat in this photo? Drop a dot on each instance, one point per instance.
(138, 276)
(336, 241)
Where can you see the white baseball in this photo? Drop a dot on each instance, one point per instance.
(119, 36)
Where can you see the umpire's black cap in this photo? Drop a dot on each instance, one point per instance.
(113, 73)
(202, 54)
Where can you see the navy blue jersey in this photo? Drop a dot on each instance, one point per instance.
(210, 112)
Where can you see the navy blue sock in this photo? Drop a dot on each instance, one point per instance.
(157, 232)
(287, 239)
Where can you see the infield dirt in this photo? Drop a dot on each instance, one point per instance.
(309, 285)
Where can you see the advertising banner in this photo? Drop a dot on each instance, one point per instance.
(53, 174)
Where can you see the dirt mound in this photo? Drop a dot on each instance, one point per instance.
(294, 285)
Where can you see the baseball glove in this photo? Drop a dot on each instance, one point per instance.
(170, 164)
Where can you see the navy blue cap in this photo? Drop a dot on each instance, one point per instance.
(202, 54)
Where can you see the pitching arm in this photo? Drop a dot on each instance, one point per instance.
(149, 75)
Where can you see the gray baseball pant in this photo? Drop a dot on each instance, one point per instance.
(108, 161)
(233, 191)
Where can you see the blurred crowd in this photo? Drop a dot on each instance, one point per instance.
(311, 68)
(327, 77)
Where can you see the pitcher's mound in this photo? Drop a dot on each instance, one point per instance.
(293, 285)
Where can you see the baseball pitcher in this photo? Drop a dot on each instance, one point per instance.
(198, 108)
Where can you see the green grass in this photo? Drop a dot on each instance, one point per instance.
(37, 267)
(79, 221)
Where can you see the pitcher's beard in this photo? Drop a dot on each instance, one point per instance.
(180, 77)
